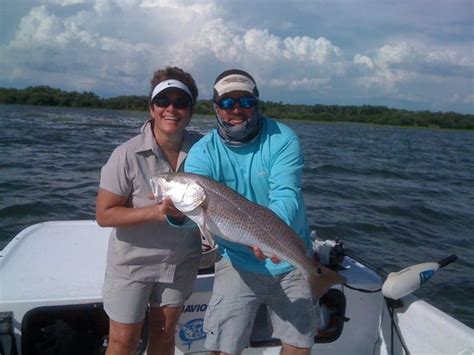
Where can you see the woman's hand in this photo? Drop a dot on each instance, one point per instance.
(167, 208)
(111, 211)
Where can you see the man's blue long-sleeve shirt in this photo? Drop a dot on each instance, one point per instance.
(266, 171)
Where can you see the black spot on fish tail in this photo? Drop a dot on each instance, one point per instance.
(322, 279)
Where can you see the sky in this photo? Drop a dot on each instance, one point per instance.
(405, 54)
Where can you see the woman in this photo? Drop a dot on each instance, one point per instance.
(151, 265)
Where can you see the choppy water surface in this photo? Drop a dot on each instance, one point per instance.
(395, 196)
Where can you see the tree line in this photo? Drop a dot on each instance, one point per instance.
(47, 96)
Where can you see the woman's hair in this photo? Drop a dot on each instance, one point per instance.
(176, 74)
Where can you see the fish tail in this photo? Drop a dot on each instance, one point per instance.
(322, 280)
(317, 286)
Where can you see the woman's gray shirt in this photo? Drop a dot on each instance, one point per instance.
(148, 251)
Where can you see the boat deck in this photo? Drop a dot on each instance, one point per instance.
(62, 264)
(53, 261)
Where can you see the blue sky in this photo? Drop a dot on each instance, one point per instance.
(416, 55)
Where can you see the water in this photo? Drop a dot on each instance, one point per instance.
(395, 196)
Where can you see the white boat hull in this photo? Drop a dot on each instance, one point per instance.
(61, 264)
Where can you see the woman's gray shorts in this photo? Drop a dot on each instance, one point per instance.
(236, 298)
(126, 301)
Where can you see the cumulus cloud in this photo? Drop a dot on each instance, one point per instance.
(306, 84)
(68, 43)
(260, 46)
(40, 28)
(384, 70)
(112, 47)
(417, 72)
(72, 56)
(64, 3)
(364, 61)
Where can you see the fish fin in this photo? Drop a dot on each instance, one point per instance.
(207, 239)
(206, 235)
(323, 279)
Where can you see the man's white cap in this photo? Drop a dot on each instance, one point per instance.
(234, 80)
(169, 84)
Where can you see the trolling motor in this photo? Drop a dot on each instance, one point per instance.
(397, 285)
(401, 283)
(330, 252)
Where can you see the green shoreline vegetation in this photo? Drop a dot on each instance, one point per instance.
(47, 96)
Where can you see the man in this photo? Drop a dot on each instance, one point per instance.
(261, 159)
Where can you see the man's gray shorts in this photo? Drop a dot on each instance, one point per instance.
(236, 298)
(126, 301)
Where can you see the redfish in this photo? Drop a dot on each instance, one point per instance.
(219, 210)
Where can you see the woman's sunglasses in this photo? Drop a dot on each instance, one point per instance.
(179, 103)
(228, 103)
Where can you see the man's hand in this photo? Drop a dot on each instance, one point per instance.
(259, 254)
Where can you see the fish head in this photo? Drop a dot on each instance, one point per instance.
(185, 192)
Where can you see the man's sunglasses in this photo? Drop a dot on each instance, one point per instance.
(228, 103)
(179, 103)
